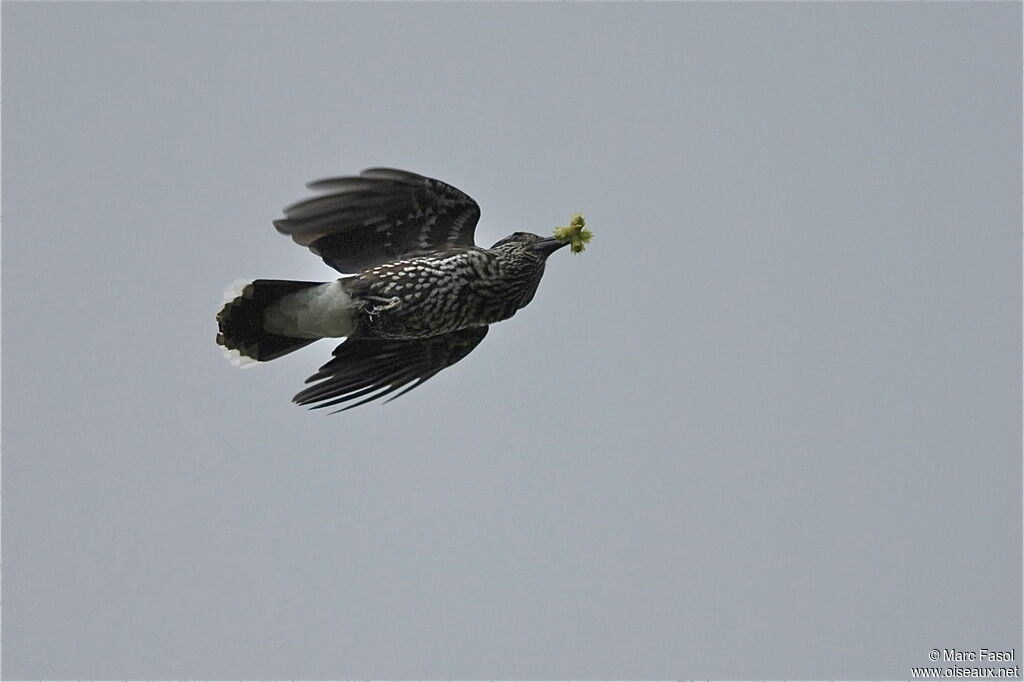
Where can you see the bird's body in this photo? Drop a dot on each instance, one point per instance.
(420, 298)
(412, 298)
(431, 295)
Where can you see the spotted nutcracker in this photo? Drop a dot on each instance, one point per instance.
(422, 297)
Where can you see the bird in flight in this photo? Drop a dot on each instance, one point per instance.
(418, 294)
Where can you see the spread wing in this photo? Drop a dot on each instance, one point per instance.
(379, 216)
(371, 369)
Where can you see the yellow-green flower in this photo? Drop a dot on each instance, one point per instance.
(575, 233)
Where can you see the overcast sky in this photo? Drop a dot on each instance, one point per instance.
(767, 425)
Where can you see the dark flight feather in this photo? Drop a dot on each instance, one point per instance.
(376, 368)
(378, 217)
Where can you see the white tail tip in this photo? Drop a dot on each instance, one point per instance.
(239, 360)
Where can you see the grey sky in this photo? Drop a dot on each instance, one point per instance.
(767, 425)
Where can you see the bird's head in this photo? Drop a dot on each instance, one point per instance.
(529, 246)
(522, 256)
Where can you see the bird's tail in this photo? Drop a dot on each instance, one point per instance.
(241, 321)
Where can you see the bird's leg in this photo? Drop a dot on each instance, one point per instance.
(385, 304)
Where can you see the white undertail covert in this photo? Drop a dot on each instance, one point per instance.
(323, 311)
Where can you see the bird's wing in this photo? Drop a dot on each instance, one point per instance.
(379, 216)
(371, 369)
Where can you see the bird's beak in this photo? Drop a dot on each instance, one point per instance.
(546, 247)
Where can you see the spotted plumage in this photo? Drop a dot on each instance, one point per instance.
(419, 295)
